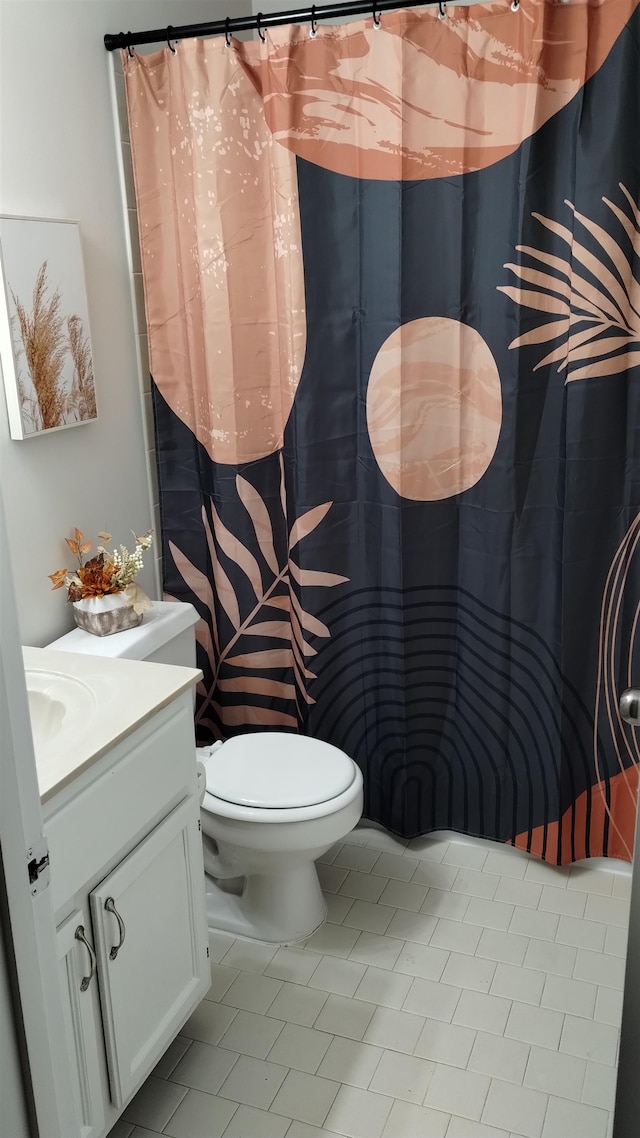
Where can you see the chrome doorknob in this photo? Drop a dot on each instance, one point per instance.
(630, 706)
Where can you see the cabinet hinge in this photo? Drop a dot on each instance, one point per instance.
(207, 952)
(199, 824)
(38, 866)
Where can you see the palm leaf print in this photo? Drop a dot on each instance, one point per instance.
(596, 315)
(254, 631)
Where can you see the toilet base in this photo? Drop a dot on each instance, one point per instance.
(280, 908)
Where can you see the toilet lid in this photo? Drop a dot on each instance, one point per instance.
(274, 771)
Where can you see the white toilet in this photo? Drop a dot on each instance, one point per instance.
(272, 802)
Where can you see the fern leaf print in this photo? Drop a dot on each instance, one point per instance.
(593, 298)
(254, 633)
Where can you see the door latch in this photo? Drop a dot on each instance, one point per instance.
(630, 706)
(38, 866)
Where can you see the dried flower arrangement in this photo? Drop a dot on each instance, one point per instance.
(108, 572)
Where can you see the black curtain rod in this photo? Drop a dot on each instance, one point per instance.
(269, 20)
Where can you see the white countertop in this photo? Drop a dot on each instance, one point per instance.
(117, 697)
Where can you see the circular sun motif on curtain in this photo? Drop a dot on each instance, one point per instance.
(434, 408)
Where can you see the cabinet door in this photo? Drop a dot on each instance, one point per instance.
(152, 946)
(83, 1027)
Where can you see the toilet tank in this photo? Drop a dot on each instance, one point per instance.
(166, 636)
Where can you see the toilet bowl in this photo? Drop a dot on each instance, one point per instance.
(271, 802)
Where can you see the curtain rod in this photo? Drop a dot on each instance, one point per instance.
(269, 20)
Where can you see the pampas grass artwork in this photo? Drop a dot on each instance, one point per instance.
(45, 346)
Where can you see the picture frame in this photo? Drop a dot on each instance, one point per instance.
(45, 342)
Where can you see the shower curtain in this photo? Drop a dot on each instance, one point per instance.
(393, 300)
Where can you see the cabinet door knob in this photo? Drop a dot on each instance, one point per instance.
(86, 980)
(110, 906)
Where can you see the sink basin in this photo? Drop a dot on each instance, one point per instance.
(58, 705)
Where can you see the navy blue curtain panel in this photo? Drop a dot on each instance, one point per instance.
(392, 281)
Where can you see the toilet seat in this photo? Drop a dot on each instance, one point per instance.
(277, 771)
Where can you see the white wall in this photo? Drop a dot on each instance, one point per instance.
(59, 158)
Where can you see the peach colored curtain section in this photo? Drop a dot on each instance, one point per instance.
(221, 247)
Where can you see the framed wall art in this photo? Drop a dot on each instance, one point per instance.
(45, 346)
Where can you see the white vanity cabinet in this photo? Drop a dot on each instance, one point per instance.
(128, 888)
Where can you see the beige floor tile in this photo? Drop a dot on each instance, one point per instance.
(359, 1114)
(363, 886)
(581, 933)
(170, 1059)
(439, 903)
(397, 1031)
(417, 927)
(351, 1062)
(204, 1067)
(555, 1073)
(572, 996)
(469, 972)
(249, 956)
(298, 1004)
(503, 947)
(509, 1106)
(421, 960)
(336, 975)
(399, 866)
(524, 984)
(356, 857)
(337, 907)
(410, 1121)
(200, 1114)
(368, 917)
(445, 1043)
(222, 978)
(455, 1091)
(301, 1048)
(482, 1012)
(382, 987)
(530, 1024)
(589, 1040)
(252, 992)
(306, 1098)
(247, 1120)
(557, 959)
(342, 1016)
(154, 1104)
(574, 1120)
(252, 1034)
(293, 964)
(333, 940)
(499, 1058)
(456, 936)
(404, 895)
(373, 948)
(254, 1082)
(209, 1022)
(402, 1076)
(427, 998)
(599, 1087)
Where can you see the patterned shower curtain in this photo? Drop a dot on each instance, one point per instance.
(393, 299)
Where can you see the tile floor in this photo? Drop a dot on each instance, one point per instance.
(457, 989)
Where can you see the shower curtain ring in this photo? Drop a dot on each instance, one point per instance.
(515, 5)
(130, 51)
(227, 24)
(442, 9)
(260, 31)
(376, 18)
(314, 31)
(169, 44)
